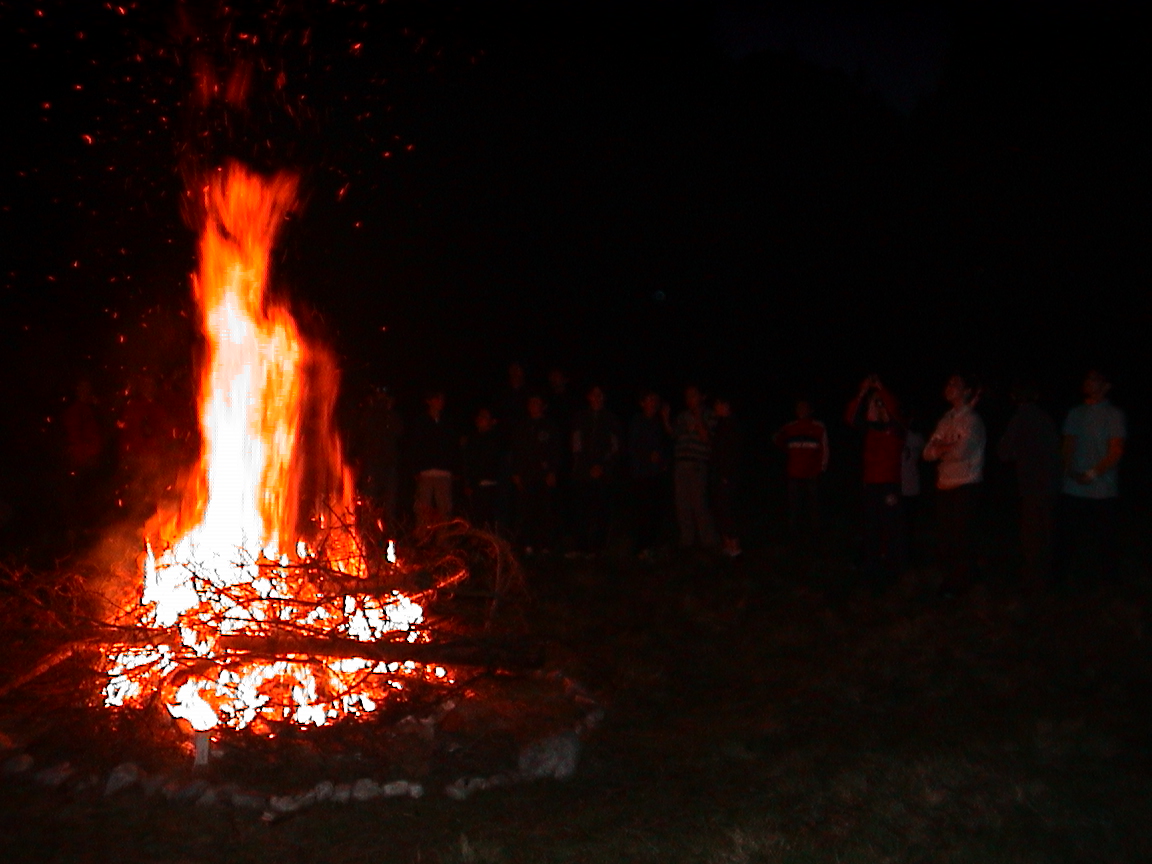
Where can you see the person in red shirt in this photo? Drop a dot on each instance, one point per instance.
(875, 412)
(805, 441)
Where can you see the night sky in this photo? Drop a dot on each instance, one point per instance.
(766, 196)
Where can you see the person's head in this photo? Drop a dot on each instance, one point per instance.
(1024, 390)
(693, 398)
(596, 397)
(878, 409)
(435, 401)
(557, 380)
(536, 406)
(960, 390)
(650, 402)
(803, 409)
(1096, 386)
(516, 375)
(722, 406)
(485, 422)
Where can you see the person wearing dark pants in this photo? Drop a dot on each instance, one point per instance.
(1032, 443)
(1093, 444)
(805, 440)
(725, 476)
(597, 445)
(875, 412)
(957, 446)
(649, 455)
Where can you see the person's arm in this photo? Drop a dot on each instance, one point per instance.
(1111, 460)
(937, 446)
(853, 414)
(888, 400)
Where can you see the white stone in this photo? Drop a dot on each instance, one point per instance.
(324, 790)
(457, 791)
(342, 793)
(555, 756)
(248, 800)
(210, 798)
(123, 776)
(415, 790)
(394, 789)
(365, 789)
(284, 803)
(54, 776)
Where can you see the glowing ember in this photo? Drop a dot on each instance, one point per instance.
(266, 518)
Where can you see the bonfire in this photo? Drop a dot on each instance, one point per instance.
(259, 602)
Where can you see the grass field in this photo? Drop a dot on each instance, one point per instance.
(767, 709)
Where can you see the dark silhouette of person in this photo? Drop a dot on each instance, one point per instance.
(805, 443)
(649, 455)
(875, 412)
(483, 455)
(597, 448)
(957, 447)
(537, 454)
(692, 449)
(724, 474)
(1094, 435)
(378, 453)
(433, 449)
(1032, 443)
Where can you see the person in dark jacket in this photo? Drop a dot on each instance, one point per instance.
(433, 450)
(537, 454)
(649, 454)
(597, 446)
(483, 467)
(1032, 443)
(725, 474)
(376, 447)
(692, 451)
(875, 412)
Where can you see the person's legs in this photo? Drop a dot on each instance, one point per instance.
(812, 494)
(796, 495)
(683, 491)
(705, 527)
(956, 508)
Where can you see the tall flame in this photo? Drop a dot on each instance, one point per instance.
(270, 478)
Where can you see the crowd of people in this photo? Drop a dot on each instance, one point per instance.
(554, 475)
(554, 472)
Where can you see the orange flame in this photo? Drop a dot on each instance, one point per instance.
(271, 477)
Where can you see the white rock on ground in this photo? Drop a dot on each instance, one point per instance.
(54, 776)
(555, 756)
(365, 789)
(123, 776)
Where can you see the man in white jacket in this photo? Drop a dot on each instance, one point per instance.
(957, 446)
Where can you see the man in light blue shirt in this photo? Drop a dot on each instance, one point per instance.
(1093, 445)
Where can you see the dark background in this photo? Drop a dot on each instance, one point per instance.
(766, 197)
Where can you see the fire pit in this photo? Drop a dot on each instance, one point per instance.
(261, 607)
